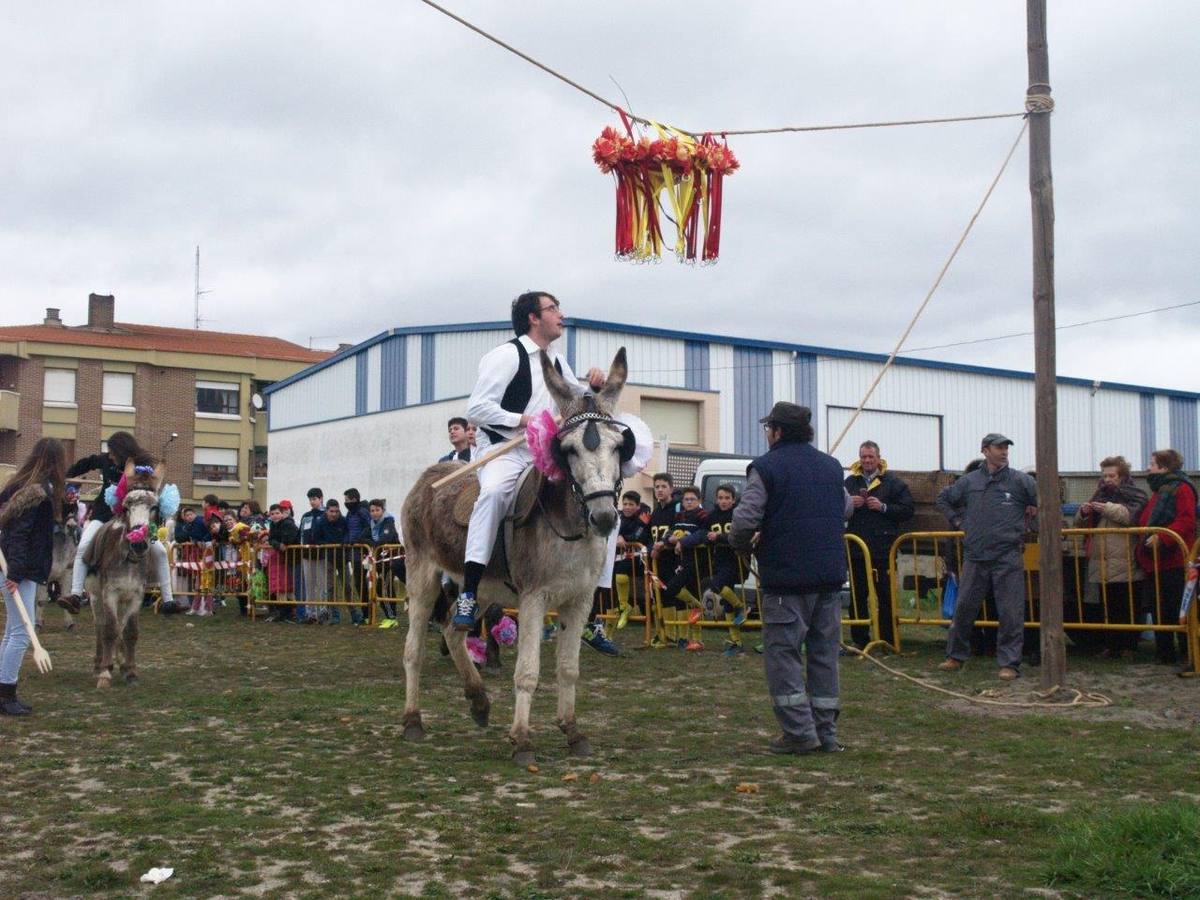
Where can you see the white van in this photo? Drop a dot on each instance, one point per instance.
(712, 473)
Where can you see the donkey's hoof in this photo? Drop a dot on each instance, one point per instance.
(480, 716)
(104, 682)
(524, 758)
(414, 734)
(581, 747)
(131, 679)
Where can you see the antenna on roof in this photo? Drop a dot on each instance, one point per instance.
(197, 319)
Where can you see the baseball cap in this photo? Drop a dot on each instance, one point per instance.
(994, 439)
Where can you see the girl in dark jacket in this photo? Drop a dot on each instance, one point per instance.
(30, 504)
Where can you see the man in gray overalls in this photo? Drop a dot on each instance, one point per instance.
(994, 505)
(793, 513)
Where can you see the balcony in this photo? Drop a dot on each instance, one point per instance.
(10, 408)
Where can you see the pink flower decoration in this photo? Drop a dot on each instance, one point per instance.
(477, 650)
(505, 632)
(540, 434)
(137, 536)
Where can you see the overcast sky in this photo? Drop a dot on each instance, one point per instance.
(348, 167)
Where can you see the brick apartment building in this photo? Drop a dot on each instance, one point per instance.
(80, 384)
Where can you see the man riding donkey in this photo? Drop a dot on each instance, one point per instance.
(509, 392)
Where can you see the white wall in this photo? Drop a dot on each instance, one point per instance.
(652, 360)
(381, 455)
(327, 394)
(456, 357)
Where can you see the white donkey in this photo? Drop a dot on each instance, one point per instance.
(119, 565)
(553, 557)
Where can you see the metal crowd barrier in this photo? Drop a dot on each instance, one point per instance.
(861, 605)
(207, 572)
(1118, 601)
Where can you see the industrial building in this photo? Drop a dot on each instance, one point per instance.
(373, 416)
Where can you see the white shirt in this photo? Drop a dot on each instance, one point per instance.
(496, 371)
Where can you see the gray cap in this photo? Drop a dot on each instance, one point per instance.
(994, 439)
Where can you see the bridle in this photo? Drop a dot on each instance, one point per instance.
(591, 441)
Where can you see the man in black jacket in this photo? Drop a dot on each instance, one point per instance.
(793, 515)
(881, 502)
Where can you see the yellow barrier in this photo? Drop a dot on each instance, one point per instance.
(209, 574)
(863, 608)
(1112, 603)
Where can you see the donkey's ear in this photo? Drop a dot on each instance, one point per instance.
(129, 464)
(560, 389)
(160, 472)
(615, 381)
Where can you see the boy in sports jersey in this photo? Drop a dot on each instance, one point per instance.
(720, 591)
(634, 529)
(686, 535)
(666, 511)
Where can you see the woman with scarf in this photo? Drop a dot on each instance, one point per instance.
(1173, 506)
(1113, 575)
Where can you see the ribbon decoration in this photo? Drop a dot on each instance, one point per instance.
(690, 172)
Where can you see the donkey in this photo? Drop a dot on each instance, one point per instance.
(119, 565)
(554, 558)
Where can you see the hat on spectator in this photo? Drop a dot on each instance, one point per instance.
(994, 440)
(285, 504)
(784, 413)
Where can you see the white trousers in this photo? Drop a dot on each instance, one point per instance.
(497, 483)
(161, 568)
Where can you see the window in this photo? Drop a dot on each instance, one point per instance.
(215, 464)
(217, 398)
(678, 420)
(118, 391)
(59, 387)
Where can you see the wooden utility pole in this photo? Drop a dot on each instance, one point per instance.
(1041, 192)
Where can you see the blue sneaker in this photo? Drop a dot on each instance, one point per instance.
(548, 631)
(732, 649)
(739, 616)
(465, 611)
(594, 637)
(681, 643)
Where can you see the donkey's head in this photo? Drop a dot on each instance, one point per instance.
(591, 444)
(141, 499)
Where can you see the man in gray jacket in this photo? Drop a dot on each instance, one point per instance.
(994, 506)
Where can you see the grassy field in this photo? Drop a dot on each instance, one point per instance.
(263, 759)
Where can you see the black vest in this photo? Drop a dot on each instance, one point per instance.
(802, 548)
(519, 390)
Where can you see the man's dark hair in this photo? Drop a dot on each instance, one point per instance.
(332, 504)
(274, 507)
(351, 495)
(457, 420)
(691, 489)
(528, 304)
(874, 446)
(632, 495)
(378, 501)
(727, 488)
(224, 505)
(315, 492)
(664, 476)
(802, 434)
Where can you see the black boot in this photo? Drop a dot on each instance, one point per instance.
(9, 704)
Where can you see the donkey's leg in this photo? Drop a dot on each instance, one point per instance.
(525, 675)
(571, 618)
(129, 636)
(473, 689)
(422, 587)
(106, 639)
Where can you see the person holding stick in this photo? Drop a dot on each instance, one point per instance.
(31, 504)
(509, 392)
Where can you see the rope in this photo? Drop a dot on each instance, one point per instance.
(929, 296)
(988, 698)
(722, 131)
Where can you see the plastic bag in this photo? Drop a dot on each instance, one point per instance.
(258, 587)
(949, 596)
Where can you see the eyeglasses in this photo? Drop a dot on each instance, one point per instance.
(548, 307)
